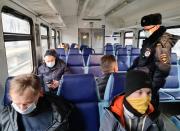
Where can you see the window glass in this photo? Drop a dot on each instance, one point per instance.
(44, 31)
(52, 44)
(128, 38)
(19, 58)
(52, 33)
(129, 34)
(176, 48)
(44, 45)
(12, 24)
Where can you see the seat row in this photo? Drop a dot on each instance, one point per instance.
(81, 90)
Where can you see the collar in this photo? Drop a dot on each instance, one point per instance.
(117, 108)
(155, 36)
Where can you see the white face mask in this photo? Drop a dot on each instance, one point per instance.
(147, 33)
(50, 64)
(27, 111)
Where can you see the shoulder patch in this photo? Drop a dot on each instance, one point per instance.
(164, 58)
(147, 52)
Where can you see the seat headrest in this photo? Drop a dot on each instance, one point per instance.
(135, 51)
(94, 60)
(75, 60)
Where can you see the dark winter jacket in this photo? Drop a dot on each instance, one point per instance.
(101, 84)
(54, 73)
(114, 119)
(56, 106)
(155, 56)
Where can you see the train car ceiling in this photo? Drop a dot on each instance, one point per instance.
(115, 14)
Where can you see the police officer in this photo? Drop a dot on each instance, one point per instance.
(155, 53)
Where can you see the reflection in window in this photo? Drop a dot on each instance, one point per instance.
(14, 24)
(19, 58)
(176, 48)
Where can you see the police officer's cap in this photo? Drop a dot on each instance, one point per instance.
(152, 19)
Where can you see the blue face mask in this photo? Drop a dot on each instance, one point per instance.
(24, 112)
(50, 64)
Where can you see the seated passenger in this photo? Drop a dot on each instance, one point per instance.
(31, 110)
(133, 111)
(52, 70)
(108, 66)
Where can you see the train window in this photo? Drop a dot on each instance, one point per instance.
(176, 48)
(44, 39)
(19, 58)
(141, 37)
(18, 41)
(13, 24)
(53, 34)
(128, 38)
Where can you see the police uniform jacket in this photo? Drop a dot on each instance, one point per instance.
(155, 56)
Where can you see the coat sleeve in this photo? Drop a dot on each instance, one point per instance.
(110, 123)
(163, 52)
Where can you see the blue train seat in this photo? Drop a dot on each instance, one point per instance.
(123, 59)
(134, 54)
(6, 99)
(76, 64)
(93, 64)
(82, 92)
(74, 51)
(86, 52)
(115, 85)
(109, 50)
(172, 80)
(61, 53)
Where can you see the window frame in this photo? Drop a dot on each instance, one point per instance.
(128, 37)
(9, 37)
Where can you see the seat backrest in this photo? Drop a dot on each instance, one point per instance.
(123, 62)
(94, 60)
(6, 99)
(134, 54)
(121, 51)
(76, 64)
(109, 48)
(86, 52)
(60, 52)
(72, 45)
(82, 92)
(74, 51)
(83, 47)
(117, 47)
(93, 63)
(75, 60)
(115, 85)
(172, 81)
